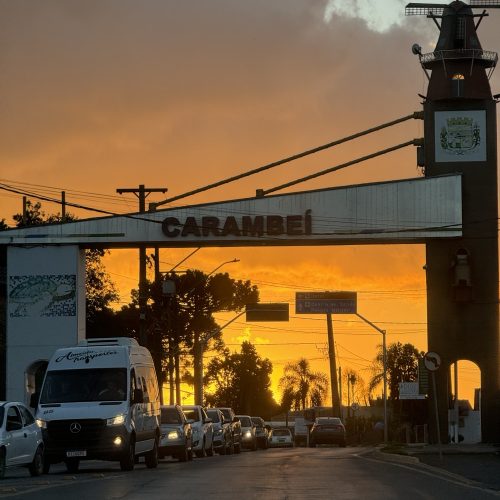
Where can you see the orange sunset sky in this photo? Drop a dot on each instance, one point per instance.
(97, 95)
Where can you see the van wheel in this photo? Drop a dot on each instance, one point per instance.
(3, 463)
(36, 467)
(152, 457)
(127, 461)
(72, 465)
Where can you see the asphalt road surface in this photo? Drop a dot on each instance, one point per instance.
(284, 474)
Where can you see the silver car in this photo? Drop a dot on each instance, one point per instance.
(21, 440)
(176, 438)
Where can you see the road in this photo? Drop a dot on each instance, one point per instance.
(274, 474)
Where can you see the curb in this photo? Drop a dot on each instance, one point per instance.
(395, 457)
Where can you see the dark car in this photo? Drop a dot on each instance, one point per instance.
(233, 422)
(327, 430)
(261, 433)
(223, 439)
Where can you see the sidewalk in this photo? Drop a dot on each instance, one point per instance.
(475, 462)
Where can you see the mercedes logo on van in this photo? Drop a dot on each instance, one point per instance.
(75, 427)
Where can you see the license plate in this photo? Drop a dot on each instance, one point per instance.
(79, 453)
(282, 440)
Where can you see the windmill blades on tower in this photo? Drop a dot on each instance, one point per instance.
(491, 4)
(425, 9)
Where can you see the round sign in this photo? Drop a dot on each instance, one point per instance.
(355, 406)
(432, 361)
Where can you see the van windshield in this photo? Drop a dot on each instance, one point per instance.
(74, 386)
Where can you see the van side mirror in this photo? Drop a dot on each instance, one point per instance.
(34, 398)
(138, 396)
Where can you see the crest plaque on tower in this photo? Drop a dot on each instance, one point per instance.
(460, 136)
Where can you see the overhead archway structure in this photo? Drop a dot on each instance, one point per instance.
(44, 290)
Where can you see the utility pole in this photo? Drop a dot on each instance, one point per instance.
(63, 205)
(333, 369)
(142, 193)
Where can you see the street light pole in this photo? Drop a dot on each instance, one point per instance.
(384, 357)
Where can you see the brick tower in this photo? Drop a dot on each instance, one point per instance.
(460, 138)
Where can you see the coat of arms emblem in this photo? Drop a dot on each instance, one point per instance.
(460, 135)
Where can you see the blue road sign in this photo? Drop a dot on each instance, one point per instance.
(326, 302)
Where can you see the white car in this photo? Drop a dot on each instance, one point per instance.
(21, 440)
(281, 438)
(203, 431)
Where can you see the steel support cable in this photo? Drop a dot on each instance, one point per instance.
(413, 142)
(417, 115)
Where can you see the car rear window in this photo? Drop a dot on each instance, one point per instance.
(281, 432)
(328, 421)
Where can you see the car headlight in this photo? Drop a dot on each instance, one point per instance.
(248, 434)
(174, 434)
(41, 423)
(218, 432)
(117, 420)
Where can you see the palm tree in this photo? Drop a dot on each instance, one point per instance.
(303, 386)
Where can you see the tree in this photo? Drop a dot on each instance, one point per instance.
(186, 321)
(402, 366)
(242, 381)
(302, 386)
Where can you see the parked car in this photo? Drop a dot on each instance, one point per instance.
(261, 433)
(21, 440)
(327, 430)
(223, 440)
(281, 437)
(176, 438)
(231, 420)
(203, 430)
(248, 437)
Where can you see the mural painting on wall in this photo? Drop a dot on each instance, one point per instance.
(42, 295)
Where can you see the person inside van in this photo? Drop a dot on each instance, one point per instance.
(112, 391)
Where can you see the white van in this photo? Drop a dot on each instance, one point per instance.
(100, 400)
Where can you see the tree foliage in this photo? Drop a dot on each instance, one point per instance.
(241, 381)
(301, 386)
(402, 366)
